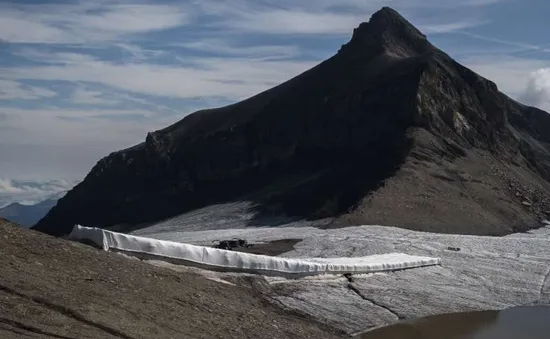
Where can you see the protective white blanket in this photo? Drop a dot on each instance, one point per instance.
(232, 260)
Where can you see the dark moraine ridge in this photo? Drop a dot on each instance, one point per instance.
(390, 130)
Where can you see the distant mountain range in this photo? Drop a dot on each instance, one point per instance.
(29, 215)
(31, 191)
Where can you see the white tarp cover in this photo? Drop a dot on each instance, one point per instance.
(232, 260)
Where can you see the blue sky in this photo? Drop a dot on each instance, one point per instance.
(79, 80)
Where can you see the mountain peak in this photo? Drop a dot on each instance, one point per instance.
(388, 15)
(389, 116)
(387, 32)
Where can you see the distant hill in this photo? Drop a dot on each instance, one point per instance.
(29, 215)
(388, 131)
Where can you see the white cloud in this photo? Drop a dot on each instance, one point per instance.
(537, 91)
(276, 21)
(61, 134)
(248, 70)
(139, 53)
(526, 80)
(10, 90)
(447, 4)
(84, 23)
(523, 46)
(83, 96)
(357, 7)
(295, 22)
(449, 27)
(21, 30)
(59, 58)
(6, 186)
(101, 21)
(511, 74)
(30, 192)
(121, 19)
(300, 17)
(14, 187)
(66, 143)
(204, 77)
(220, 46)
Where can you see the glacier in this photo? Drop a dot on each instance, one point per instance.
(475, 272)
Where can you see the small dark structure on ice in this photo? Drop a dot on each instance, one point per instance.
(230, 244)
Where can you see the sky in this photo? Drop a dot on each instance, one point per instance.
(31, 192)
(81, 79)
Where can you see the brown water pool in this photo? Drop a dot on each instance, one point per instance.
(514, 323)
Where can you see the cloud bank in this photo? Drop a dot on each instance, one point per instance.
(537, 92)
(30, 192)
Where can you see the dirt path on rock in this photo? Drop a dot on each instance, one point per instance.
(52, 288)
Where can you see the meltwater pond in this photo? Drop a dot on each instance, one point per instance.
(514, 323)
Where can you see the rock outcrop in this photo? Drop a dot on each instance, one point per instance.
(390, 130)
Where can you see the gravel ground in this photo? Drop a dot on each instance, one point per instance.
(52, 288)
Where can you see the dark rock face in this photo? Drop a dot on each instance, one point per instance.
(387, 32)
(347, 134)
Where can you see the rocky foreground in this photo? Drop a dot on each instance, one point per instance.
(53, 288)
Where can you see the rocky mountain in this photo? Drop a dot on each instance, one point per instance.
(29, 215)
(390, 130)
